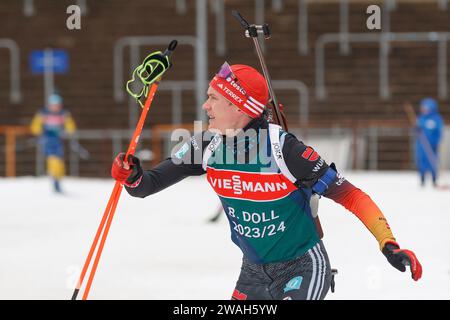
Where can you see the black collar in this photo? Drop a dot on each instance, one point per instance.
(251, 140)
(257, 123)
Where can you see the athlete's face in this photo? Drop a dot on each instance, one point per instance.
(54, 107)
(424, 110)
(222, 114)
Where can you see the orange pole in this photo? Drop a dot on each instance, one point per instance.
(106, 213)
(112, 204)
(102, 241)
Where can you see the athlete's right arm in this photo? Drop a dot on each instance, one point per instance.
(36, 125)
(140, 183)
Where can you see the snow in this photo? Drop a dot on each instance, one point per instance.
(162, 247)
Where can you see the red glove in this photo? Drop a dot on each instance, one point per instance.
(400, 258)
(126, 172)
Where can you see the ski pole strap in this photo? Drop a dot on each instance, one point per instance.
(153, 67)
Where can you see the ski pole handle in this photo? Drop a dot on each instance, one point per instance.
(266, 31)
(252, 30)
(154, 86)
(241, 19)
(173, 44)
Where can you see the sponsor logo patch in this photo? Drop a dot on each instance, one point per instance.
(310, 155)
(214, 144)
(249, 185)
(180, 153)
(194, 143)
(236, 86)
(340, 178)
(318, 165)
(293, 284)
(237, 295)
(232, 95)
(277, 148)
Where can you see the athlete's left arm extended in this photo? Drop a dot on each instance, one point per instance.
(359, 203)
(312, 172)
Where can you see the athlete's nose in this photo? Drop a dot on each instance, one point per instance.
(206, 106)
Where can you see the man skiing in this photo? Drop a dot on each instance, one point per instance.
(264, 178)
(51, 123)
(429, 132)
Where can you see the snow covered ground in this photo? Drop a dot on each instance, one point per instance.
(162, 247)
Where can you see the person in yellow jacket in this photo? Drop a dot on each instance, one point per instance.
(51, 124)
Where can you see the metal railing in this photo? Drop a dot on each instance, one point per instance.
(14, 74)
(199, 44)
(181, 6)
(360, 150)
(29, 9)
(177, 88)
(119, 139)
(219, 11)
(385, 39)
(303, 93)
(443, 4)
(302, 27)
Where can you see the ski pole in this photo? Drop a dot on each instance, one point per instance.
(79, 149)
(107, 218)
(115, 195)
(94, 243)
(252, 31)
(109, 211)
(149, 72)
(216, 215)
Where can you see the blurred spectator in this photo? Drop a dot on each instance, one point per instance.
(429, 131)
(51, 124)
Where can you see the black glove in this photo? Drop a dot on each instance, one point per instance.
(135, 166)
(400, 258)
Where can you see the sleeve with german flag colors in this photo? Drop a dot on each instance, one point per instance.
(361, 205)
(313, 172)
(358, 202)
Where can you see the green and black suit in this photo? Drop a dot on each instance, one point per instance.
(268, 207)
